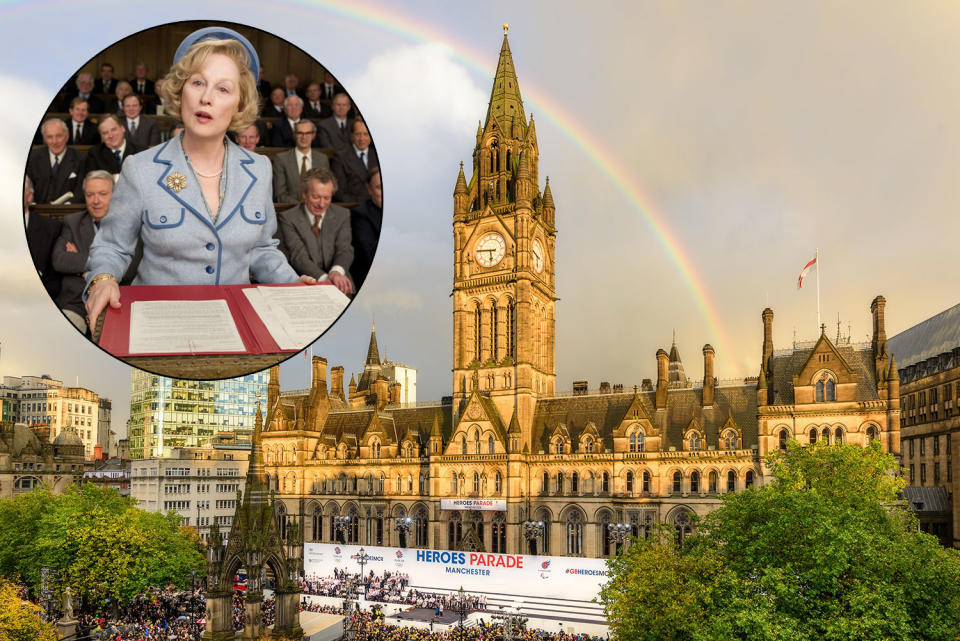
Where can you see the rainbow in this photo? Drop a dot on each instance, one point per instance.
(386, 18)
(383, 18)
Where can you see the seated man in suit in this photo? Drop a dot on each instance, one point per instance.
(290, 83)
(315, 236)
(72, 247)
(140, 83)
(289, 167)
(116, 106)
(114, 148)
(55, 169)
(85, 90)
(42, 233)
(330, 87)
(105, 83)
(249, 138)
(312, 107)
(273, 108)
(335, 130)
(282, 133)
(365, 222)
(352, 164)
(141, 130)
(82, 131)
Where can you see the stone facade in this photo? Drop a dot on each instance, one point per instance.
(660, 452)
(929, 354)
(28, 459)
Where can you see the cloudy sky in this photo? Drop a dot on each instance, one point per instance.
(699, 154)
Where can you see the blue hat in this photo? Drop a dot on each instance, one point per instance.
(218, 33)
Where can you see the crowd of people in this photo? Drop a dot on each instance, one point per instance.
(95, 131)
(171, 614)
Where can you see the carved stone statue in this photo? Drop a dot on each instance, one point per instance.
(67, 604)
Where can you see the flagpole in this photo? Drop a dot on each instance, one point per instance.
(818, 292)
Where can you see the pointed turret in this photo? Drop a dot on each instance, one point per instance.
(676, 376)
(762, 388)
(273, 389)
(506, 104)
(461, 195)
(513, 434)
(436, 437)
(549, 209)
(256, 485)
(479, 131)
(373, 353)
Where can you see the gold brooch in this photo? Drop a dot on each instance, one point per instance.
(176, 181)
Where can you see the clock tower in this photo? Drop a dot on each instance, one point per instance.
(503, 285)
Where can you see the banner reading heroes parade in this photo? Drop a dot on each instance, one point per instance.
(478, 572)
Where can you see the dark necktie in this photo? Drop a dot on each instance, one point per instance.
(116, 154)
(363, 158)
(133, 127)
(303, 168)
(316, 226)
(77, 132)
(56, 165)
(343, 126)
(96, 224)
(140, 87)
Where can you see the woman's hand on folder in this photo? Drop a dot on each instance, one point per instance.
(102, 293)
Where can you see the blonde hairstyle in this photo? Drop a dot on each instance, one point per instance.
(248, 108)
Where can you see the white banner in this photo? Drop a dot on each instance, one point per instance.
(563, 577)
(496, 505)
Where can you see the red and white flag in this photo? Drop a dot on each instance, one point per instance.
(806, 270)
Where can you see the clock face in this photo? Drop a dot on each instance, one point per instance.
(490, 249)
(537, 252)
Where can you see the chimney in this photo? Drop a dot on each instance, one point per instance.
(273, 388)
(395, 392)
(646, 385)
(381, 391)
(663, 363)
(353, 387)
(336, 382)
(879, 339)
(319, 382)
(767, 363)
(708, 381)
(604, 387)
(580, 388)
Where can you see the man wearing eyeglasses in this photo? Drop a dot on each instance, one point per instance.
(290, 166)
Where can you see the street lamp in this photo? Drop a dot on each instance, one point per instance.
(403, 527)
(533, 530)
(461, 606)
(511, 620)
(617, 533)
(362, 559)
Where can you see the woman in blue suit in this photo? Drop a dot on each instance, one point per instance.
(201, 204)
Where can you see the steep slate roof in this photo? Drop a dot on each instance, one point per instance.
(346, 426)
(932, 337)
(422, 418)
(860, 361)
(927, 500)
(605, 411)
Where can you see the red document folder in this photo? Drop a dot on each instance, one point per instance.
(115, 336)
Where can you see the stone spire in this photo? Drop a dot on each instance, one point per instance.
(506, 105)
(373, 353)
(676, 377)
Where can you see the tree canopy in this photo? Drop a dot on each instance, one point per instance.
(102, 546)
(824, 551)
(20, 620)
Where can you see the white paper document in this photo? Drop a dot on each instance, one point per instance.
(296, 316)
(183, 327)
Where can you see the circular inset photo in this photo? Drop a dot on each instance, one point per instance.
(202, 200)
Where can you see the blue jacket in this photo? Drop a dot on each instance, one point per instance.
(181, 245)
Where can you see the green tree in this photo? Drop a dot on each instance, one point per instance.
(822, 552)
(102, 545)
(20, 620)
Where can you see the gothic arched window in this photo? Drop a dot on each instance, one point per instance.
(646, 482)
(575, 483)
(783, 437)
(831, 391)
(463, 444)
(813, 435)
(712, 482)
(476, 483)
(574, 534)
(559, 482)
(838, 436)
(630, 482)
(498, 483)
(695, 482)
(748, 480)
(512, 329)
(605, 487)
(477, 319)
(677, 482)
(490, 448)
(494, 335)
(731, 481)
(820, 391)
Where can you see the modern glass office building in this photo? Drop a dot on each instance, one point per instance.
(167, 412)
